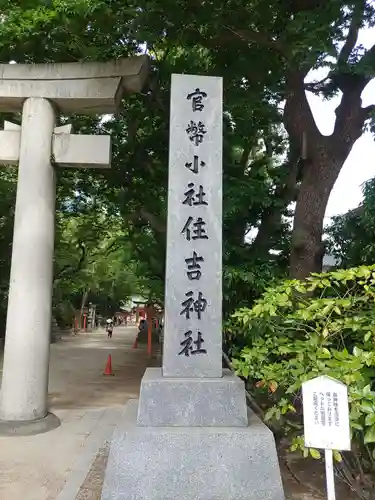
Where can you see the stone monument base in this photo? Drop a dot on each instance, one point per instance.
(191, 463)
(196, 402)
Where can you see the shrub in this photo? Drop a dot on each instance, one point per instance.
(301, 330)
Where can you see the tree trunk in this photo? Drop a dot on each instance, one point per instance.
(318, 180)
(83, 305)
(324, 157)
(272, 218)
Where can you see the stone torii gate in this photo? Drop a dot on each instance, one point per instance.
(37, 146)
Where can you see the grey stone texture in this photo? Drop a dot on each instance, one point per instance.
(191, 402)
(30, 427)
(41, 91)
(99, 436)
(24, 384)
(182, 151)
(88, 87)
(192, 463)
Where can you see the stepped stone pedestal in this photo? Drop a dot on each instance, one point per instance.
(206, 446)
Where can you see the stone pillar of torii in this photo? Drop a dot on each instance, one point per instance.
(38, 147)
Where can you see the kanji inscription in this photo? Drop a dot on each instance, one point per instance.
(193, 263)
(196, 97)
(195, 165)
(190, 346)
(196, 132)
(192, 336)
(194, 195)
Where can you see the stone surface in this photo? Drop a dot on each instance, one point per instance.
(86, 151)
(23, 394)
(38, 90)
(69, 96)
(191, 463)
(13, 428)
(73, 87)
(89, 407)
(123, 67)
(191, 402)
(182, 178)
(69, 150)
(9, 147)
(91, 488)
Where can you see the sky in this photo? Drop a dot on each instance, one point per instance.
(360, 165)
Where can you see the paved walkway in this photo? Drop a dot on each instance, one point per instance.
(53, 466)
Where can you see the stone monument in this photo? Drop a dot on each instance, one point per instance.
(38, 147)
(190, 435)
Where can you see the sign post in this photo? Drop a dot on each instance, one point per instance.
(193, 290)
(326, 421)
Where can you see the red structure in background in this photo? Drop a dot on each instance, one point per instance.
(150, 314)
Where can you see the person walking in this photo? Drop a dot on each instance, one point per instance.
(109, 328)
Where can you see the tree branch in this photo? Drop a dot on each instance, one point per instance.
(73, 269)
(350, 116)
(269, 147)
(368, 111)
(367, 61)
(304, 5)
(271, 218)
(230, 35)
(245, 155)
(154, 222)
(352, 36)
(298, 117)
(259, 38)
(316, 87)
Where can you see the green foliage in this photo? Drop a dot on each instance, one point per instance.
(8, 179)
(93, 261)
(137, 183)
(301, 330)
(351, 237)
(254, 46)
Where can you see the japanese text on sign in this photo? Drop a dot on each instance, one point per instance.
(194, 229)
(326, 414)
(326, 409)
(195, 164)
(196, 98)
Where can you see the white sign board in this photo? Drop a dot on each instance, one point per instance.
(326, 414)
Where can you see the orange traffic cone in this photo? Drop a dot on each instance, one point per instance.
(108, 366)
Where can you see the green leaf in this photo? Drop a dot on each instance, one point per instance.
(370, 419)
(357, 426)
(367, 407)
(368, 336)
(337, 456)
(370, 435)
(315, 453)
(367, 390)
